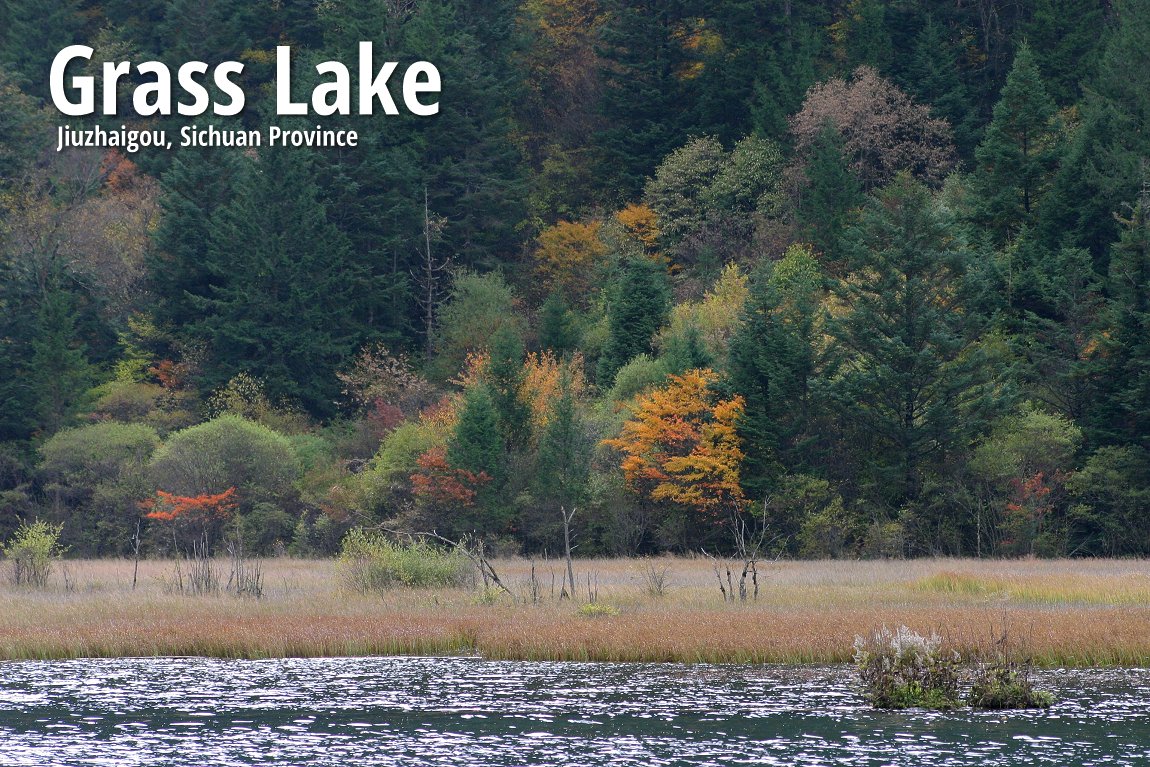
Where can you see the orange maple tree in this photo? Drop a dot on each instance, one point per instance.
(440, 483)
(681, 445)
(203, 508)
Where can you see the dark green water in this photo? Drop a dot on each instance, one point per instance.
(461, 711)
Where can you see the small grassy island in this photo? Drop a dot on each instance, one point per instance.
(1057, 612)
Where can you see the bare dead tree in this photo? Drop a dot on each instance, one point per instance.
(750, 542)
(431, 271)
(136, 554)
(567, 517)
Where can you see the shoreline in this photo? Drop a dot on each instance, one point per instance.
(1061, 613)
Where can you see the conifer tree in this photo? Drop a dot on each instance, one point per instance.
(1017, 157)
(379, 192)
(1127, 374)
(35, 32)
(21, 131)
(771, 364)
(904, 368)
(638, 309)
(1104, 163)
(505, 377)
(1065, 36)
(780, 47)
(469, 162)
(830, 195)
(59, 371)
(285, 307)
(933, 76)
(1060, 340)
(556, 331)
(204, 30)
(868, 40)
(196, 187)
(476, 446)
(686, 351)
(642, 102)
(563, 462)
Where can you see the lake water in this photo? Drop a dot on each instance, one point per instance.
(463, 711)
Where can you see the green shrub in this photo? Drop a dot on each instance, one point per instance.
(228, 451)
(597, 610)
(96, 453)
(369, 562)
(396, 460)
(32, 550)
(1004, 685)
(641, 373)
(901, 669)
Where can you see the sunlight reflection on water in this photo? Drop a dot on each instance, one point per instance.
(464, 711)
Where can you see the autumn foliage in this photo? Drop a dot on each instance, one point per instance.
(567, 254)
(439, 483)
(681, 445)
(884, 131)
(640, 222)
(1027, 510)
(203, 508)
(543, 376)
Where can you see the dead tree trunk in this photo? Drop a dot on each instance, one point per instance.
(567, 517)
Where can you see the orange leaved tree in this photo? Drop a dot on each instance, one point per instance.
(199, 516)
(681, 447)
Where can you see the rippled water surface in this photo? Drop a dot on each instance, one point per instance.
(462, 711)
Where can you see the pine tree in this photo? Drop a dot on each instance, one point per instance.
(771, 364)
(18, 326)
(204, 30)
(831, 194)
(933, 76)
(642, 102)
(375, 191)
(58, 370)
(1060, 340)
(471, 166)
(905, 371)
(639, 308)
(196, 188)
(505, 377)
(1065, 36)
(1103, 165)
(563, 460)
(868, 40)
(556, 329)
(36, 31)
(21, 131)
(285, 308)
(781, 48)
(753, 61)
(686, 351)
(1126, 414)
(1016, 159)
(476, 446)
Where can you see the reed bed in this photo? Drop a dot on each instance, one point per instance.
(1058, 613)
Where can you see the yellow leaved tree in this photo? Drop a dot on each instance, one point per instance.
(681, 447)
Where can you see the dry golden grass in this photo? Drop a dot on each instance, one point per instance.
(1062, 613)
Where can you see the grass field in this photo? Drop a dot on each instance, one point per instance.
(1061, 613)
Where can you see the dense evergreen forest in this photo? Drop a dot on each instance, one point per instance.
(843, 277)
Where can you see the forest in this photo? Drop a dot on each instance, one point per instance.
(832, 278)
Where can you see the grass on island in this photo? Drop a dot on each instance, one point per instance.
(1059, 613)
